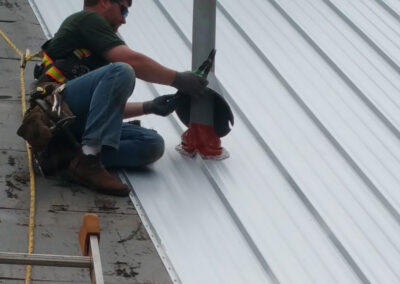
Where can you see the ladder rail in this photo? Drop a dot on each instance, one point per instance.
(45, 260)
(94, 252)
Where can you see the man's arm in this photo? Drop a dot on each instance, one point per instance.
(133, 109)
(145, 68)
(151, 71)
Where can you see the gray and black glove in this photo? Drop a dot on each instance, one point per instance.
(189, 83)
(162, 105)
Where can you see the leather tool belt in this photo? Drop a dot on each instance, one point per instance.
(48, 113)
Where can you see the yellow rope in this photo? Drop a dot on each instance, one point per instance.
(32, 185)
(25, 58)
(11, 44)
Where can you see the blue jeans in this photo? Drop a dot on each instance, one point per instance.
(98, 100)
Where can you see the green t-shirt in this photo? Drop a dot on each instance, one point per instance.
(85, 29)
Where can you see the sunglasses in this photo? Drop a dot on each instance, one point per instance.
(123, 9)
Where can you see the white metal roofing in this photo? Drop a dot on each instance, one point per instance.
(311, 192)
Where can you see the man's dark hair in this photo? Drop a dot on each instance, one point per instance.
(89, 3)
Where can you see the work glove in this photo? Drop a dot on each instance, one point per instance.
(189, 83)
(162, 105)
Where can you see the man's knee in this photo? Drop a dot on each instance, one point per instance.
(124, 68)
(138, 147)
(124, 74)
(155, 148)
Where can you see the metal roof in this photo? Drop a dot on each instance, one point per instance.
(310, 193)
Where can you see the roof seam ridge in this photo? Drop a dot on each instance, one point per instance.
(363, 35)
(320, 125)
(226, 204)
(297, 189)
(180, 32)
(337, 145)
(239, 223)
(304, 106)
(386, 120)
(389, 9)
(374, 108)
(302, 196)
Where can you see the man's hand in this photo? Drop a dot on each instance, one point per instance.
(189, 83)
(163, 105)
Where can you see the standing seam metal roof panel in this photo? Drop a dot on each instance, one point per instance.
(310, 192)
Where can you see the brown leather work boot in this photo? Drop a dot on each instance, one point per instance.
(89, 171)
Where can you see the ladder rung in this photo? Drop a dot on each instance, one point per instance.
(45, 260)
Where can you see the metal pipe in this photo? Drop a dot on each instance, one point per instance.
(204, 24)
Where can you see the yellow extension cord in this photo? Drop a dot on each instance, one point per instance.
(24, 58)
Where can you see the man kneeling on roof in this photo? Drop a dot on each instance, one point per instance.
(97, 92)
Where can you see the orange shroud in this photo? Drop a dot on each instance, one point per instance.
(202, 139)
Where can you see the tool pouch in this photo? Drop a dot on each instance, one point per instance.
(47, 114)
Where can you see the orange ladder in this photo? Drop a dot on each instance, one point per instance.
(89, 237)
